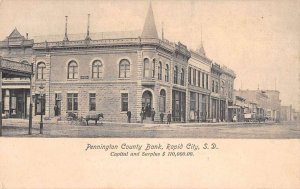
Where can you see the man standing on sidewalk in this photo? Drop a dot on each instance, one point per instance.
(169, 118)
(128, 116)
(152, 114)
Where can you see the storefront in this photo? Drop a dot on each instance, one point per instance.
(16, 103)
(178, 106)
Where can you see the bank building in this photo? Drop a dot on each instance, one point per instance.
(111, 73)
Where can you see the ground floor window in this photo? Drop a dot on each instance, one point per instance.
(203, 112)
(72, 101)
(40, 104)
(178, 106)
(193, 101)
(57, 106)
(162, 101)
(92, 102)
(124, 102)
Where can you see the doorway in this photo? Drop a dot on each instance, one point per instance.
(147, 103)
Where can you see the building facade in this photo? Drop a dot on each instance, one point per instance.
(113, 75)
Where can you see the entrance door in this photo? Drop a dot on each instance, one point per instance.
(57, 108)
(147, 103)
(20, 105)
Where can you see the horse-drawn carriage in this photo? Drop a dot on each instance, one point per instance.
(73, 118)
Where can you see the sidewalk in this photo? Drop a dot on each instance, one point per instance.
(125, 124)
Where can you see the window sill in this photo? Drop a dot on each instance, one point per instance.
(127, 78)
(72, 79)
(40, 80)
(123, 112)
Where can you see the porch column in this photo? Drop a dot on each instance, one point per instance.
(30, 105)
(0, 97)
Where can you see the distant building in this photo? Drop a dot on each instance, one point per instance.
(273, 105)
(259, 97)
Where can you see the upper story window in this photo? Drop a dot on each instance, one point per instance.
(190, 75)
(182, 77)
(203, 80)
(41, 66)
(194, 76)
(199, 79)
(159, 71)
(147, 69)
(124, 69)
(73, 70)
(153, 68)
(217, 87)
(167, 73)
(175, 75)
(206, 81)
(213, 86)
(97, 69)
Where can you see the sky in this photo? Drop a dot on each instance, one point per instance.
(258, 39)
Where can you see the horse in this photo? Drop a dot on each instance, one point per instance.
(94, 116)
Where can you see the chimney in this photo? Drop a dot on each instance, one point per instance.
(66, 29)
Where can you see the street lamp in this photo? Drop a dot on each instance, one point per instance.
(41, 96)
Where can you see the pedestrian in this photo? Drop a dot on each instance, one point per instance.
(162, 117)
(55, 110)
(169, 118)
(128, 116)
(152, 114)
(142, 116)
(144, 113)
(198, 116)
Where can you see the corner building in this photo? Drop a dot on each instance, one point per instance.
(113, 75)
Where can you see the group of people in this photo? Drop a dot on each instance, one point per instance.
(148, 112)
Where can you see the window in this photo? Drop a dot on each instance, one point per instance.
(182, 77)
(160, 71)
(92, 102)
(153, 68)
(40, 70)
(40, 104)
(124, 102)
(167, 73)
(72, 101)
(190, 75)
(193, 101)
(202, 79)
(217, 87)
(124, 69)
(207, 81)
(72, 70)
(147, 71)
(199, 77)
(97, 69)
(213, 86)
(175, 75)
(162, 101)
(194, 76)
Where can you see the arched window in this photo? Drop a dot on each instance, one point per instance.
(182, 77)
(24, 62)
(160, 70)
(147, 70)
(40, 70)
(162, 101)
(167, 73)
(153, 68)
(124, 69)
(175, 75)
(97, 69)
(72, 70)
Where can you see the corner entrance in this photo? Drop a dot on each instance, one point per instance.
(147, 103)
